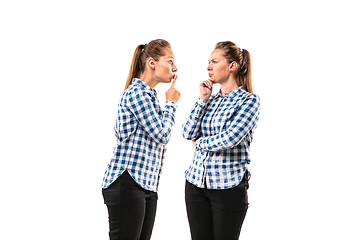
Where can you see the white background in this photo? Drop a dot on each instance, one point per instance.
(63, 66)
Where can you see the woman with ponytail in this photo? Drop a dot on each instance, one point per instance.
(221, 127)
(142, 129)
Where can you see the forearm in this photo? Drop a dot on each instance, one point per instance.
(156, 125)
(192, 124)
(161, 133)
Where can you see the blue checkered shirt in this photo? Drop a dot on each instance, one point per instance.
(223, 127)
(142, 130)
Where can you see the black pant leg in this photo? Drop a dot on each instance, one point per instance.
(199, 212)
(149, 219)
(229, 207)
(130, 215)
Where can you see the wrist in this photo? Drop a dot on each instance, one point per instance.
(204, 98)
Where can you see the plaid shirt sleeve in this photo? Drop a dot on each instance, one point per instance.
(191, 126)
(158, 127)
(244, 120)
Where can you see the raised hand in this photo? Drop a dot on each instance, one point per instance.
(206, 89)
(172, 94)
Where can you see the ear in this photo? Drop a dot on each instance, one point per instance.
(151, 63)
(232, 66)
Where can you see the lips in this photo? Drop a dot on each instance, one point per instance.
(211, 76)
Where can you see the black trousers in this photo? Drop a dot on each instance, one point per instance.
(216, 214)
(131, 209)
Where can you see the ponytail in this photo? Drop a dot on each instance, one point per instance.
(242, 57)
(153, 49)
(243, 77)
(135, 67)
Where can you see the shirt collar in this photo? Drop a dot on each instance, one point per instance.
(231, 94)
(143, 85)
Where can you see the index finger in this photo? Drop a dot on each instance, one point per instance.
(173, 82)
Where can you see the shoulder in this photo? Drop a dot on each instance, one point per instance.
(245, 100)
(135, 93)
(253, 97)
(246, 96)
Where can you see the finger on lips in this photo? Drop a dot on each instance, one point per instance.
(173, 81)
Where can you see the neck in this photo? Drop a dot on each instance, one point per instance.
(149, 80)
(228, 86)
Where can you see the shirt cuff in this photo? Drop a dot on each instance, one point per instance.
(201, 102)
(170, 103)
(170, 106)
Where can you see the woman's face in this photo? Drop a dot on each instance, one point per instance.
(165, 67)
(218, 68)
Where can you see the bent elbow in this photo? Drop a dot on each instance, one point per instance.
(163, 140)
(188, 136)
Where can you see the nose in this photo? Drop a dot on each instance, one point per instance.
(209, 68)
(174, 69)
